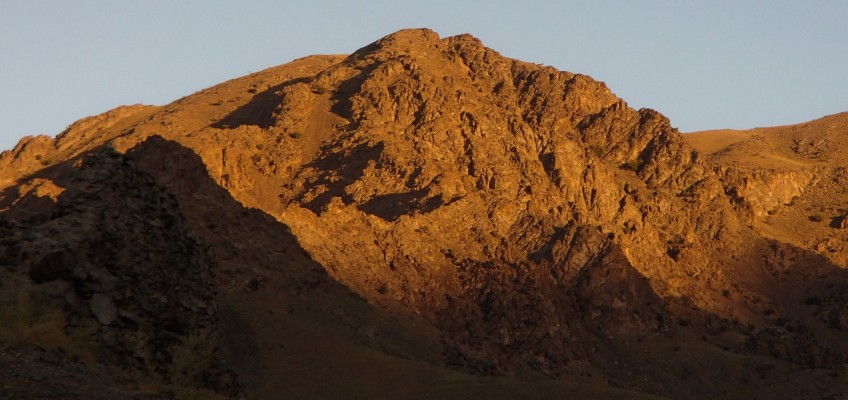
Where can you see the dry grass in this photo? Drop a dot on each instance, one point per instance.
(32, 317)
(192, 358)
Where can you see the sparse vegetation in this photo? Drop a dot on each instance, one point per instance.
(597, 149)
(42, 160)
(295, 135)
(32, 317)
(632, 165)
(192, 360)
(320, 89)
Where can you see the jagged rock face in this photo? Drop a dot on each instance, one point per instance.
(451, 188)
(528, 213)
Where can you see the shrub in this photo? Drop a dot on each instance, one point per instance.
(597, 149)
(632, 165)
(192, 360)
(32, 317)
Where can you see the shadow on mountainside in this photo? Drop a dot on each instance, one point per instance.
(337, 171)
(286, 326)
(291, 328)
(342, 103)
(260, 109)
(100, 268)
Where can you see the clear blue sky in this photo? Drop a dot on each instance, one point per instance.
(704, 64)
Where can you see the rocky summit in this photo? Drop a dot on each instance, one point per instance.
(423, 218)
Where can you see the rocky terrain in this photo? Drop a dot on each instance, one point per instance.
(791, 178)
(425, 218)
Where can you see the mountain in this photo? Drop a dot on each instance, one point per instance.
(425, 218)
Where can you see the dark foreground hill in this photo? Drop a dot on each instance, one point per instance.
(424, 218)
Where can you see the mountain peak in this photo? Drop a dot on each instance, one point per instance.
(409, 37)
(402, 41)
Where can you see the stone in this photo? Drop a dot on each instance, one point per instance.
(840, 222)
(103, 308)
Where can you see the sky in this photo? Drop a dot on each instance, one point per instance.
(704, 64)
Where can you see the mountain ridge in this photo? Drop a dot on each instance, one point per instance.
(526, 220)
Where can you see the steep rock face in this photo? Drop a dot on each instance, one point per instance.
(766, 190)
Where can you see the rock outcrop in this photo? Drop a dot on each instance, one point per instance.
(109, 255)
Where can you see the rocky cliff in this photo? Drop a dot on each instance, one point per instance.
(488, 216)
